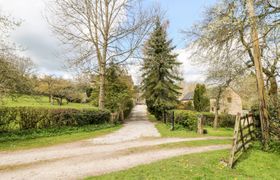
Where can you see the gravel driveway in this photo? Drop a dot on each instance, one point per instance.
(96, 156)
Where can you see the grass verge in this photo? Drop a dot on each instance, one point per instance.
(46, 137)
(165, 131)
(255, 164)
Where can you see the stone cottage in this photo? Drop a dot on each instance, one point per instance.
(230, 102)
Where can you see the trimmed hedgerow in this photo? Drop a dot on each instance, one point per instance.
(188, 119)
(24, 118)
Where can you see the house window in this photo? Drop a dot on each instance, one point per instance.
(229, 99)
(212, 108)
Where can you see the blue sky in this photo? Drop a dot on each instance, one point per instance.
(182, 14)
(35, 36)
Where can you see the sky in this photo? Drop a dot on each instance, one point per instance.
(37, 41)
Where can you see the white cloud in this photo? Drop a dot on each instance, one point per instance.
(191, 72)
(34, 35)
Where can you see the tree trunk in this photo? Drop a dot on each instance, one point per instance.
(259, 74)
(122, 115)
(101, 104)
(215, 125)
(52, 103)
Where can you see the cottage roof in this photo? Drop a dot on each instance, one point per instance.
(188, 96)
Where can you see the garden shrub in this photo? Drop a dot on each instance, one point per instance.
(87, 116)
(208, 118)
(7, 119)
(128, 107)
(25, 118)
(226, 120)
(187, 119)
(29, 117)
(62, 117)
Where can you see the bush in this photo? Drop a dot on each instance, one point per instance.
(128, 107)
(24, 118)
(7, 119)
(86, 117)
(187, 119)
(226, 120)
(208, 118)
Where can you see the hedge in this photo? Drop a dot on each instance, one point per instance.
(23, 118)
(188, 119)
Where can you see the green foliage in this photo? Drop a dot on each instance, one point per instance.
(24, 118)
(187, 119)
(200, 100)
(160, 76)
(226, 120)
(118, 91)
(12, 79)
(189, 105)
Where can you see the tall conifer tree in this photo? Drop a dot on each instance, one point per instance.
(160, 75)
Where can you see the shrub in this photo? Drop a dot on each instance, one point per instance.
(62, 117)
(7, 119)
(208, 118)
(29, 117)
(128, 107)
(86, 117)
(25, 118)
(187, 119)
(226, 120)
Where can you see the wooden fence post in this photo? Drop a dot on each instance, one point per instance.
(164, 116)
(235, 139)
(172, 120)
(200, 124)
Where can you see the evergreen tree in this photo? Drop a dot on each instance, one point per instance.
(160, 76)
(200, 100)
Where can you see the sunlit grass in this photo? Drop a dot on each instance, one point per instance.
(39, 101)
(256, 164)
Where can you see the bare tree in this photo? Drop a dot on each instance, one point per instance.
(259, 72)
(100, 31)
(229, 23)
(6, 25)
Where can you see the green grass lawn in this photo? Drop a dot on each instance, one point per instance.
(39, 101)
(165, 131)
(255, 164)
(46, 137)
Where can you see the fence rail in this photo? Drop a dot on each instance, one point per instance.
(244, 134)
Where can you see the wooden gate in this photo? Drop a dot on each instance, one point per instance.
(244, 134)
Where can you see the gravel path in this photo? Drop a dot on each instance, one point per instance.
(137, 127)
(96, 156)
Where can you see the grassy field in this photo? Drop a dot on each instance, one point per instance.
(255, 164)
(39, 101)
(47, 137)
(165, 131)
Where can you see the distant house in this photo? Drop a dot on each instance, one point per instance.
(187, 97)
(230, 102)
